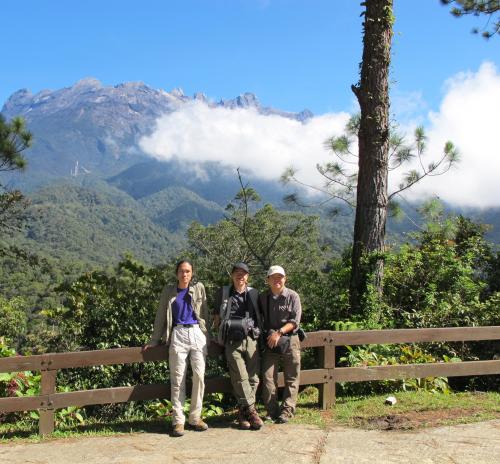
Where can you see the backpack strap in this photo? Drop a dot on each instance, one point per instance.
(224, 310)
(253, 293)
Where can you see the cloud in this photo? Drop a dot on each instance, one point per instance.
(267, 144)
(469, 116)
(262, 144)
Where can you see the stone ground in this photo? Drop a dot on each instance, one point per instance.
(291, 443)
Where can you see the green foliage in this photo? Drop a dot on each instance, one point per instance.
(16, 384)
(490, 8)
(114, 308)
(5, 349)
(324, 295)
(439, 282)
(13, 318)
(14, 138)
(258, 236)
(175, 208)
(109, 310)
(380, 355)
(213, 405)
(19, 384)
(159, 408)
(93, 223)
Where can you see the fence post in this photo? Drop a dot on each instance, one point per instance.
(47, 387)
(326, 358)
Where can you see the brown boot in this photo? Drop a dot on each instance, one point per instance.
(253, 418)
(243, 418)
(178, 430)
(198, 426)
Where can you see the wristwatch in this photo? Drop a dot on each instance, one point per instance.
(281, 331)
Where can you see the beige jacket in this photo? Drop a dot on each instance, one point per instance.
(163, 321)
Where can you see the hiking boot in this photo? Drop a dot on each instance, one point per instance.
(254, 420)
(243, 422)
(178, 430)
(283, 418)
(199, 426)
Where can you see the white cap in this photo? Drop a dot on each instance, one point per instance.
(276, 270)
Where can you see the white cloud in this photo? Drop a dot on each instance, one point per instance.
(469, 116)
(268, 144)
(263, 144)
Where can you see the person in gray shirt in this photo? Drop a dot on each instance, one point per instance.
(281, 311)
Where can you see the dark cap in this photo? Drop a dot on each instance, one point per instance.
(241, 266)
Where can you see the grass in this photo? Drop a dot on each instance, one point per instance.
(418, 409)
(412, 410)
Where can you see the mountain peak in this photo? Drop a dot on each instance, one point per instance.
(177, 92)
(245, 100)
(88, 83)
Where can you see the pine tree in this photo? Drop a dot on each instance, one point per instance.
(14, 139)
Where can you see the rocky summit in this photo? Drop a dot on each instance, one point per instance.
(92, 127)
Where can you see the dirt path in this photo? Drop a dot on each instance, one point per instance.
(472, 443)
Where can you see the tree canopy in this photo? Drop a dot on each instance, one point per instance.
(14, 139)
(489, 8)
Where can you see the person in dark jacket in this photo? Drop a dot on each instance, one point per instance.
(239, 325)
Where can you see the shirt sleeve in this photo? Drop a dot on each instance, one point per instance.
(296, 310)
(160, 320)
(205, 313)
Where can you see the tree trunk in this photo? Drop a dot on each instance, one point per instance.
(372, 93)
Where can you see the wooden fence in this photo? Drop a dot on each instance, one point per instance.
(325, 376)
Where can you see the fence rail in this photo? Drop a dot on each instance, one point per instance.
(324, 377)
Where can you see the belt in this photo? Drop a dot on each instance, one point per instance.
(187, 326)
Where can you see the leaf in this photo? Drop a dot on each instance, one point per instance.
(5, 377)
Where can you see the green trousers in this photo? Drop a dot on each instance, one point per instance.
(243, 360)
(291, 372)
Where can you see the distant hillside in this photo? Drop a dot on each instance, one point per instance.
(215, 183)
(175, 208)
(93, 223)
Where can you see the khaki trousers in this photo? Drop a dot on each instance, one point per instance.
(243, 361)
(187, 341)
(291, 371)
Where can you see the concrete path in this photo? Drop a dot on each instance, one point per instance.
(473, 443)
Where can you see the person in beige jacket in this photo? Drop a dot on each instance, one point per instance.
(181, 323)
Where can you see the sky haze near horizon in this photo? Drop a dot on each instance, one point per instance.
(292, 55)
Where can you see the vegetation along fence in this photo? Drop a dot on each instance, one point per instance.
(325, 376)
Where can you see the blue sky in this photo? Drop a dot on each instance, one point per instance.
(293, 54)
